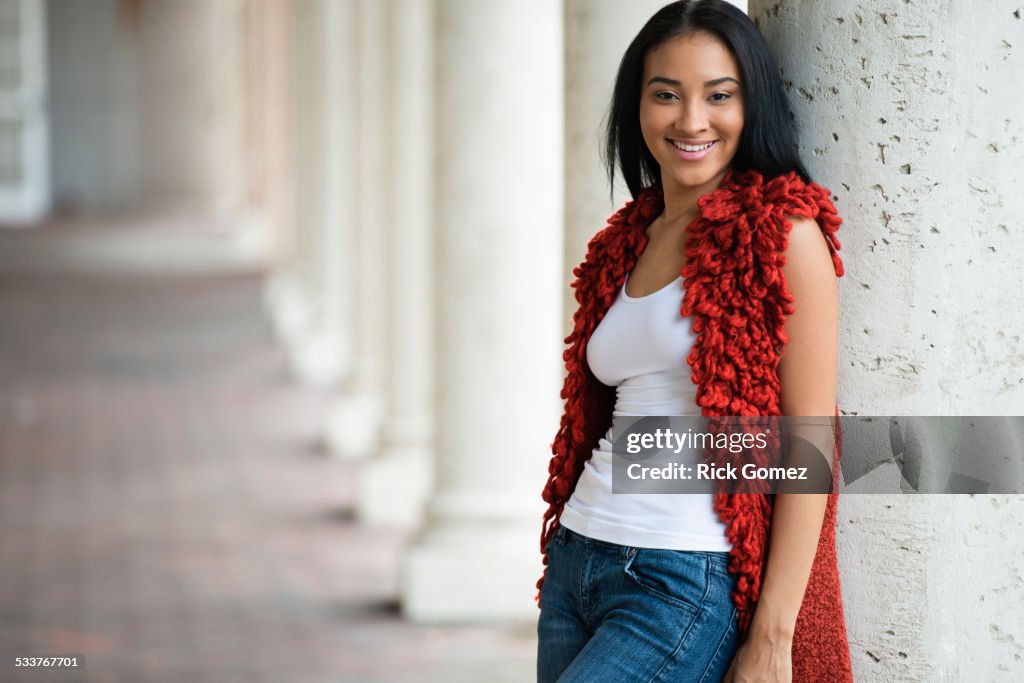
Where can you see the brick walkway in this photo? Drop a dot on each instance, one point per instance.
(165, 509)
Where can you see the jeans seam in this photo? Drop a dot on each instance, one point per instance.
(721, 565)
(679, 645)
(718, 650)
(587, 540)
(714, 558)
(584, 605)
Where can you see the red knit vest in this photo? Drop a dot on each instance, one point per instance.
(733, 281)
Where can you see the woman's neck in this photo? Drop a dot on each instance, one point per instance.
(681, 200)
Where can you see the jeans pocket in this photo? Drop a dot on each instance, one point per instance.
(677, 577)
(555, 540)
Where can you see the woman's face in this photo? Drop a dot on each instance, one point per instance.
(691, 110)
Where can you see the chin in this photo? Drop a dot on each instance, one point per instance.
(695, 177)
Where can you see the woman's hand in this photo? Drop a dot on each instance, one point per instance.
(762, 658)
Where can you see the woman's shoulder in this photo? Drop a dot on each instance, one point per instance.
(788, 191)
(810, 219)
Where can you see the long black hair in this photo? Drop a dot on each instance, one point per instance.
(768, 143)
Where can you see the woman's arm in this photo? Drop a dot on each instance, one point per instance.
(807, 376)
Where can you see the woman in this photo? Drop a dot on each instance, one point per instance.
(683, 298)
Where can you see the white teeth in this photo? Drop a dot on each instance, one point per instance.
(691, 148)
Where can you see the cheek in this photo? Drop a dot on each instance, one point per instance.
(648, 128)
(645, 119)
(736, 123)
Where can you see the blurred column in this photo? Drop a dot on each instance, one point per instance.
(392, 488)
(500, 183)
(266, 132)
(290, 287)
(308, 293)
(274, 170)
(325, 355)
(362, 44)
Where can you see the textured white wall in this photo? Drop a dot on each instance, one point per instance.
(908, 112)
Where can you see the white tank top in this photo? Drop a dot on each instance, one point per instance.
(640, 347)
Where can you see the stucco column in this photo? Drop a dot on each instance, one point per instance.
(904, 115)
(354, 419)
(499, 173)
(391, 488)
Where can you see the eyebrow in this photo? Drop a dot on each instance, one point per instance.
(707, 84)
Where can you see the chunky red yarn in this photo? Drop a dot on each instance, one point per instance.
(736, 293)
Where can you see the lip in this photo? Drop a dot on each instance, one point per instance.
(692, 156)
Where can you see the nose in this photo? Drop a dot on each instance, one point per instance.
(693, 117)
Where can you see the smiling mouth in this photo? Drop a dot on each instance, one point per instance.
(692, 148)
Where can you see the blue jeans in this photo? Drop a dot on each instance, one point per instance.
(616, 613)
